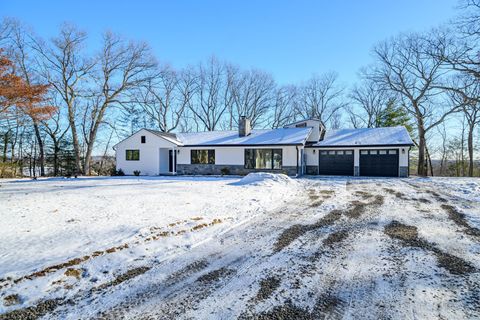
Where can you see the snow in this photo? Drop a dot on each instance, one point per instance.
(50, 221)
(369, 274)
(366, 137)
(265, 179)
(256, 137)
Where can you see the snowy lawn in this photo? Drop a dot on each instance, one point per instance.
(265, 246)
(49, 222)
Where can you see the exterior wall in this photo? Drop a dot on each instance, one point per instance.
(217, 169)
(233, 159)
(149, 163)
(236, 155)
(312, 158)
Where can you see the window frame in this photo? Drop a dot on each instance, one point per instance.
(254, 151)
(209, 156)
(129, 154)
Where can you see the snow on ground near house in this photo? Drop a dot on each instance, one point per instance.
(52, 221)
(264, 246)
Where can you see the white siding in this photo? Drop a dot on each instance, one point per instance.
(149, 163)
(314, 134)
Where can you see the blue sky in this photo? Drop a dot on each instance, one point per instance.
(290, 39)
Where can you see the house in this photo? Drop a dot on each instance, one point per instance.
(303, 147)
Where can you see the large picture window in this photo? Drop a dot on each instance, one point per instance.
(132, 155)
(202, 156)
(263, 159)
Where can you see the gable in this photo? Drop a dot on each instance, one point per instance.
(151, 139)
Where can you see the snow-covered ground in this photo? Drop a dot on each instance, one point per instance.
(225, 247)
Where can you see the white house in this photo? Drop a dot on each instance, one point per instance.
(303, 147)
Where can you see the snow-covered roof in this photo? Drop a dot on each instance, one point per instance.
(167, 136)
(365, 137)
(281, 136)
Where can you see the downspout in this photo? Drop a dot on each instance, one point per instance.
(296, 147)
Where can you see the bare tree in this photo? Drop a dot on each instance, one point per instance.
(466, 94)
(21, 50)
(122, 66)
(253, 94)
(370, 100)
(212, 96)
(407, 68)
(321, 97)
(284, 106)
(165, 98)
(67, 69)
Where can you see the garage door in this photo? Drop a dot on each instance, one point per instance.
(379, 163)
(336, 162)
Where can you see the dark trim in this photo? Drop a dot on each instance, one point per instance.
(361, 146)
(242, 145)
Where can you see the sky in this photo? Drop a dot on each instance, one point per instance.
(290, 39)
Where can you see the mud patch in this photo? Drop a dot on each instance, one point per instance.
(409, 237)
(287, 311)
(364, 194)
(215, 275)
(11, 300)
(33, 312)
(267, 288)
(397, 194)
(328, 307)
(130, 274)
(360, 207)
(423, 200)
(459, 219)
(188, 270)
(335, 237)
(294, 232)
(437, 196)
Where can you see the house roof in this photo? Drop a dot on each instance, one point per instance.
(281, 136)
(365, 137)
(172, 137)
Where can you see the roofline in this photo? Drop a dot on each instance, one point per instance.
(243, 145)
(309, 119)
(152, 132)
(361, 145)
(172, 140)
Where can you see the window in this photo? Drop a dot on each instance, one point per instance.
(263, 159)
(382, 152)
(301, 125)
(340, 152)
(331, 152)
(323, 152)
(142, 139)
(132, 155)
(348, 152)
(392, 151)
(373, 151)
(202, 156)
(364, 152)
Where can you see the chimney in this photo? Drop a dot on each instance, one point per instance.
(244, 127)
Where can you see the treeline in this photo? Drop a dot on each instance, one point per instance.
(71, 102)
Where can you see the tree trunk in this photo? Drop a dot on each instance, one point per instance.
(56, 150)
(76, 144)
(470, 151)
(41, 155)
(422, 164)
(5, 146)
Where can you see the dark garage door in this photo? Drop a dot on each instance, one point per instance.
(379, 163)
(336, 162)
